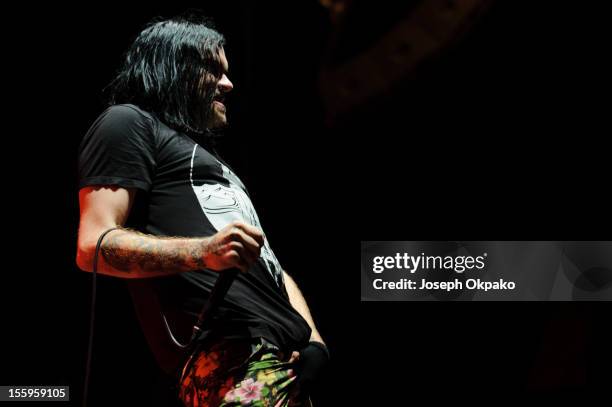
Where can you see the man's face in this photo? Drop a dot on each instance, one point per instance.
(218, 118)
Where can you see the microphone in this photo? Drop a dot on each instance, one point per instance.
(222, 285)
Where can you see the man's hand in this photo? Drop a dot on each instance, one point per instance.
(310, 362)
(295, 356)
(236, 245)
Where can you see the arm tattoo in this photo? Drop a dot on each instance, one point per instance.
(132, 250)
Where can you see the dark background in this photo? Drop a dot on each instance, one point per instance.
(500, 135)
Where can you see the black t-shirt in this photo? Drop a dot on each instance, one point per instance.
(185, 190)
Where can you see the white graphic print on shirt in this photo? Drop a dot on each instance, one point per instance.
(223, 205)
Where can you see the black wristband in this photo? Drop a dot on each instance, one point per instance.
(321, 346)
(313, 360)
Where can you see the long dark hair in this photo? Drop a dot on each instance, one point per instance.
(171, 69)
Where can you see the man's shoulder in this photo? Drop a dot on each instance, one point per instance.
(127, 112)
(120, 122)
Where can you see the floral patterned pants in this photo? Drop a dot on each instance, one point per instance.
(240, 373)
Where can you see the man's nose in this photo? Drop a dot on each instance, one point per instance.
(225, 85)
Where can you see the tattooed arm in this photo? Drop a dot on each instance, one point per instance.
(130, 254)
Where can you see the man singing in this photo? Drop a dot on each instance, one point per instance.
(149, 171)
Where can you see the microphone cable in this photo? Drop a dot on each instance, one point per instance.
(92, 315)
(222, 285)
